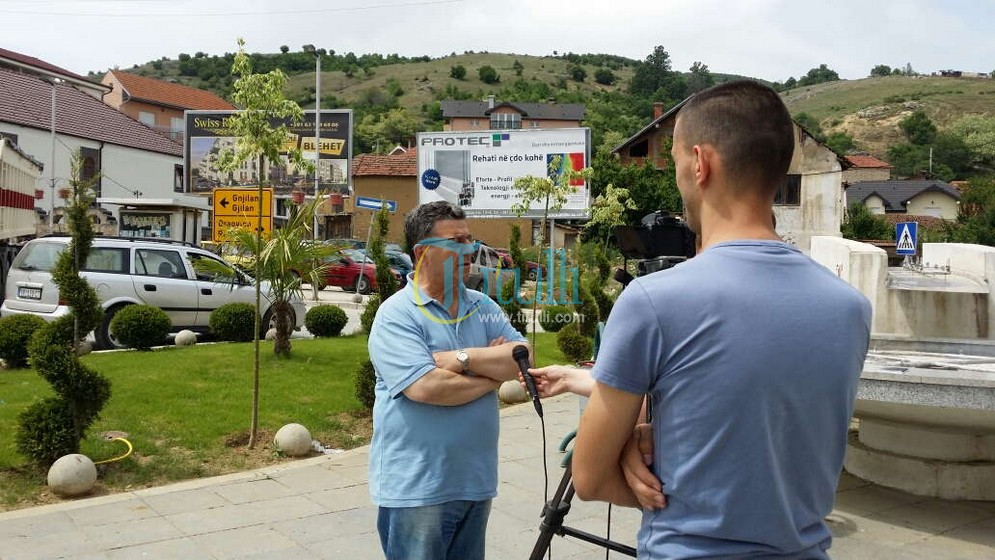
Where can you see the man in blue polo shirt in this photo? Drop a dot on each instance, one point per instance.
(440, 351)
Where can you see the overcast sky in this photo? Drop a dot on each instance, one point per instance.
(769, 39)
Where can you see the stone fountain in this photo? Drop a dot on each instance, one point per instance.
(926, 399)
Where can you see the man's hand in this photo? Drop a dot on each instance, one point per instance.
(554, 380)
(447, 359)
(637, 457)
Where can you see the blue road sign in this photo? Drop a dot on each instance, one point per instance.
(905, 238)
(375, 203)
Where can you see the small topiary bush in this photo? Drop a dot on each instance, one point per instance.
(511, 306)
(588, 311)
(234, 321)
(15, 332)
(369, 313)
(366, 382)
(141, 326)
(555, 317)
(325, 320)
(575, 346)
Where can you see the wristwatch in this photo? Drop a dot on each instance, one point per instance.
(463, 357)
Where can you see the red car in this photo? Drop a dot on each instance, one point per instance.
(531, 269)
(344, 272)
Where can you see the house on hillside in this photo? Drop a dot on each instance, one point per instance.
(493, 115)
(22, 63)
(865, 167)
(158, 104)
(394, 177)
(809, 204)
(915, 198)
(139, 170)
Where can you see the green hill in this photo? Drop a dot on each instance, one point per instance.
(871, 108)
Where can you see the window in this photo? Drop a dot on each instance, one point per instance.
(534, 124)
(501, 121)
(642, 149)
(163, 264)
(91, 167)
(218, 276)
(146, 118)
(107, 259)
(790, 193)
(178, 178)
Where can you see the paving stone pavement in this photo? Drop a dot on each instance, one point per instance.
(320, 508)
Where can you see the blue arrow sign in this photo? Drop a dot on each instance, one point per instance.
(905, 238)
(375, 203)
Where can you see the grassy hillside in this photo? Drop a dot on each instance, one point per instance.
(870, 109)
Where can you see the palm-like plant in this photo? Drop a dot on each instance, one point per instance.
(285, 260)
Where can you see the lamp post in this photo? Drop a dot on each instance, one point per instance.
(51, 162)
(317, 130)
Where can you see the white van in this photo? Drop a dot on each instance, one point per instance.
(127, 271)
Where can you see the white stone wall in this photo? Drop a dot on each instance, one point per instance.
(821, 210)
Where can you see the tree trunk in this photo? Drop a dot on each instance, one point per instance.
(281, 310)
(255, 359)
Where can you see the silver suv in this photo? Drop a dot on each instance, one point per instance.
(127, 271)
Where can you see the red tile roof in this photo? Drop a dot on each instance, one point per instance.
(867, 162)
(400, 165)
(158, 92)
(26, 100)
(32, 61)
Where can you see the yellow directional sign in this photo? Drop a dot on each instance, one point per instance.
(240, 208)
(242, 202)
(224, 224)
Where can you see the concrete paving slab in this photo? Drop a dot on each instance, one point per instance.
(319, 508)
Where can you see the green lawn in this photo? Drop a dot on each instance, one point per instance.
(187, 410)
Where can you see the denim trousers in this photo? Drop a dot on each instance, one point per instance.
(448, 531)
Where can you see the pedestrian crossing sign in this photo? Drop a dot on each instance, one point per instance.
(905, 237)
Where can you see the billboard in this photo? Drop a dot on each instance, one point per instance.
(476, 170)
(208, 134)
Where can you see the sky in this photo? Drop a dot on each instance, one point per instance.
(768, 39)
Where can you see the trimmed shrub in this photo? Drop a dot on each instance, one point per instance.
(510, 304)
(325, 320)
(234, 321)
(604, 301)
(575, 346)
(369, 313)
(15, 332)
(588, 311)
(141, 326)
(366, 382)
(555, 317)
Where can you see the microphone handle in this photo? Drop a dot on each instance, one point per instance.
(533, 392)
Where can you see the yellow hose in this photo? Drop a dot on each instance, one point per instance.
(125, 456)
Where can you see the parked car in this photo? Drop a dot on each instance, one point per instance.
(360, 244)
(352, 270)
(531, 269)
(487, 266)
(400, 263)
(130, 271)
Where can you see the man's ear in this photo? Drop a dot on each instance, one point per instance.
(703, 161)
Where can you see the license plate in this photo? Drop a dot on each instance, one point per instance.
(29, 293)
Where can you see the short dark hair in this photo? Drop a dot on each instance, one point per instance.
(418, 223)
(748, 125)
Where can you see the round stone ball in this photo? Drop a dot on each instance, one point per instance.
(185, 338)
(271, 334)
(72, 475)
(293, 440)
(512, 392)
(358, 298)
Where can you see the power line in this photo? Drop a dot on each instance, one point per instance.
(231, 14)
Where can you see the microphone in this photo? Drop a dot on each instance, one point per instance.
(520, 354)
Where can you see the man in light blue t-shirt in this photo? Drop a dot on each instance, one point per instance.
(440, 351)
(750, 352)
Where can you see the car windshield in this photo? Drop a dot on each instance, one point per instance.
(356, 254)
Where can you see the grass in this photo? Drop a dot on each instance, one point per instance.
(187, 411)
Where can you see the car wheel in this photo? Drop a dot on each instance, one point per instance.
(106, 340)
(532, 274)
(363, 284)
(269, 321)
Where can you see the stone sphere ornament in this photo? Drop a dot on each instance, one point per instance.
(185, 338)
(72, 475)
(512, 392)
(84, 347)
(293, 440)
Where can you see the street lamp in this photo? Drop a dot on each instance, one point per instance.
(317, 129)
(51, 163)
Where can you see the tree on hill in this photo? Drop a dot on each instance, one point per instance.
(578, 74)
(517, 67)
(881, 70)
(700, 78)
(918, 128)
(457, 72)
(605, 77)
(655, 79)
(819, 75)
(488, 74)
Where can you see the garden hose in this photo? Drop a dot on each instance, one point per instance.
(125, 456)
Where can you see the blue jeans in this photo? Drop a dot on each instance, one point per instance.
(451, 530)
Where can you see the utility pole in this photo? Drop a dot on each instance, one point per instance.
(51, 162)
(317, 129)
